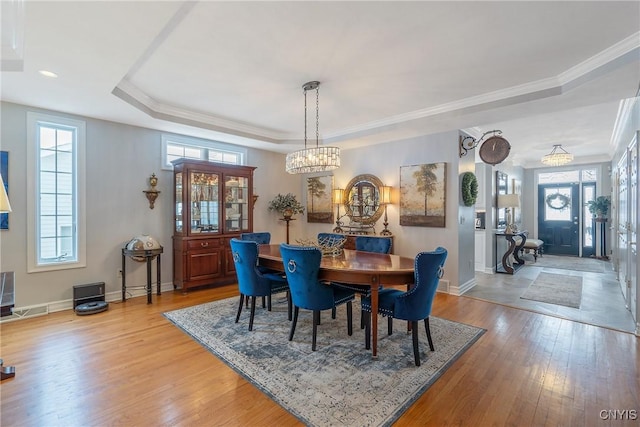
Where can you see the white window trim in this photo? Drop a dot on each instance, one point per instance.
(32, 175)
(200, 143)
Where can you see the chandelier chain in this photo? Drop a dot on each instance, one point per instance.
(317, 114)
(305, 118)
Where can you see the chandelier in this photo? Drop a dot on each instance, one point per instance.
(557, 157)
(316, 159)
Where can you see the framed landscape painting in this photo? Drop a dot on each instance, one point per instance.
(423, 195)
(319, 208)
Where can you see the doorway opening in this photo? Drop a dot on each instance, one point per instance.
(564, 222)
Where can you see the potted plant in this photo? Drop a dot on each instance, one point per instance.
(599, 207)
(286, 204)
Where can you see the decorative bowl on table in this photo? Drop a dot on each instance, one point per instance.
(144, 242)
(330, 246)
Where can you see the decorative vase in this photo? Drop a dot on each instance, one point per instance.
(287, 213)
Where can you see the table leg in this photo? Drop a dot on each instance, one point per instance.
(505, 258)
(148, 280)
(158, 274)
(124, 281)
(374, 318)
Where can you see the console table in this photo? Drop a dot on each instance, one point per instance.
(516, 243)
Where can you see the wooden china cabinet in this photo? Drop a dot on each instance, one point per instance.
(213, 204)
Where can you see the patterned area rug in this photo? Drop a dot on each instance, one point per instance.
(571, 263)
(556, 289)
(339, 384)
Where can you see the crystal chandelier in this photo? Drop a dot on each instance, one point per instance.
(316, 159)
(557, 157)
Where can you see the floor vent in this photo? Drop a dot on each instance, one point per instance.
(21, 313)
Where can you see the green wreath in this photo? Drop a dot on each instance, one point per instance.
(469, 188)
(557, 201)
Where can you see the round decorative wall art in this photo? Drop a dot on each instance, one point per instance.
(469, 188)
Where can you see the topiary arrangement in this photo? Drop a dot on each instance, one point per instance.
(286, 204)
(599, 207)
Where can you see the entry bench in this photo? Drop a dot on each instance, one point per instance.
(535, 245)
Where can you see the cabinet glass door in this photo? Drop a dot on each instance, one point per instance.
(205, 208)
(178, 220)
(236, 197)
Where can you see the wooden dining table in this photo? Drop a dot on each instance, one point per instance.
(354, 267)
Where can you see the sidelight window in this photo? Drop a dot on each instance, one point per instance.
(56, 192)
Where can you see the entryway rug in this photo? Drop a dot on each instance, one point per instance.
(556, 289)
(571, 263)
(339, 384)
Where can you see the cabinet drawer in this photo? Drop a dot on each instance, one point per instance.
(203, 244)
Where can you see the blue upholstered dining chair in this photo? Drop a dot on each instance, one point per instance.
(381, 245)
(261, 238)
(301, 265)
(412, 305)
(251, 282)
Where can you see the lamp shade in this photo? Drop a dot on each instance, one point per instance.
(385, 195)
(337, 196)
(5, 206)
(508, 200)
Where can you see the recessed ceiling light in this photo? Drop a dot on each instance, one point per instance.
(48, 73)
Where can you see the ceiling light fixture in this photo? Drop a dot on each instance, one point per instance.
(48, 74)
(557, 157)
(318, 159)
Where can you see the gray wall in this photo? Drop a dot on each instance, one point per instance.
(120, 159)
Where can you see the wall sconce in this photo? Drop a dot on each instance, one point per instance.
(254, 199)
(385, 199)
(337, 199)
(152, 194)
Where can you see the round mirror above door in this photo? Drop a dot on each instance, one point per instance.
(362, 199)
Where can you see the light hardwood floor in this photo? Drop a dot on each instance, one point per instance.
(130, 366)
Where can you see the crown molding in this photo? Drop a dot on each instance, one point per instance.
(610, 58)
(625, 111)
(131, 94)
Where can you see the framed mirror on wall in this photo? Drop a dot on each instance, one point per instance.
(362, 202)
(501, 188)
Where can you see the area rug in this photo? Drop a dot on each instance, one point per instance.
(339, 384)
(571, 263)
(556, 289)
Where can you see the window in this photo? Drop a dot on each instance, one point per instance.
(55, 185)
(177, 147)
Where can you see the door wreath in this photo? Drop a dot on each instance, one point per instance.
(557, 201)
(469, 188)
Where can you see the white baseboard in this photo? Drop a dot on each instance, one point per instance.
(459, 290)
(443, 286)
(26, 312)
